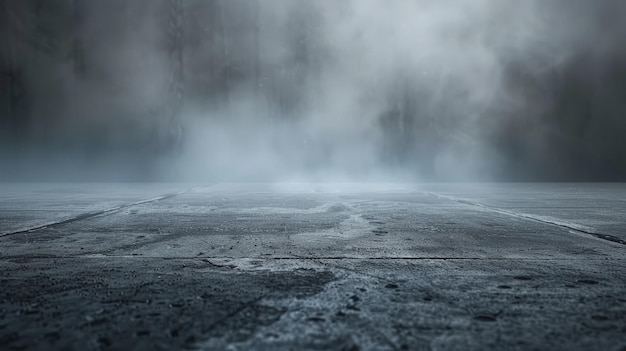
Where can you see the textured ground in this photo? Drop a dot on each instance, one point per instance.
(313, 266)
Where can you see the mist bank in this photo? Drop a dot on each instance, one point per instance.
(365, 90)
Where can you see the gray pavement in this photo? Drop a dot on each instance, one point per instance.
(313, 266)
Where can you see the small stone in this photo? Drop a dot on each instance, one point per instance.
(485, 318)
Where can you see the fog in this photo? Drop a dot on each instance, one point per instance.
(297, 90)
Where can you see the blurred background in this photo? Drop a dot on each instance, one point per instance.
(299, 90)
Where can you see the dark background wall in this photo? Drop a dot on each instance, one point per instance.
(312, 90)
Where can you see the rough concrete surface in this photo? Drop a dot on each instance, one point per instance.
(313, 266)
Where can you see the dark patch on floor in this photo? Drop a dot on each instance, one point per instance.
(155, 304)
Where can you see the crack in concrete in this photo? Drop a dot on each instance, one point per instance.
(330, 258)
(88, 215)
(350, 270)
(234, 313)
(570, 226)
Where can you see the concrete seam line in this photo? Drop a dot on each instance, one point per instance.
(89, 215)
(528, 217)
(315, 259)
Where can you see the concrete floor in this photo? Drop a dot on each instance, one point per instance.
(313, 266)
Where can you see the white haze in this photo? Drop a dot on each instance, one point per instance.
(370, 46)
(324, 90)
